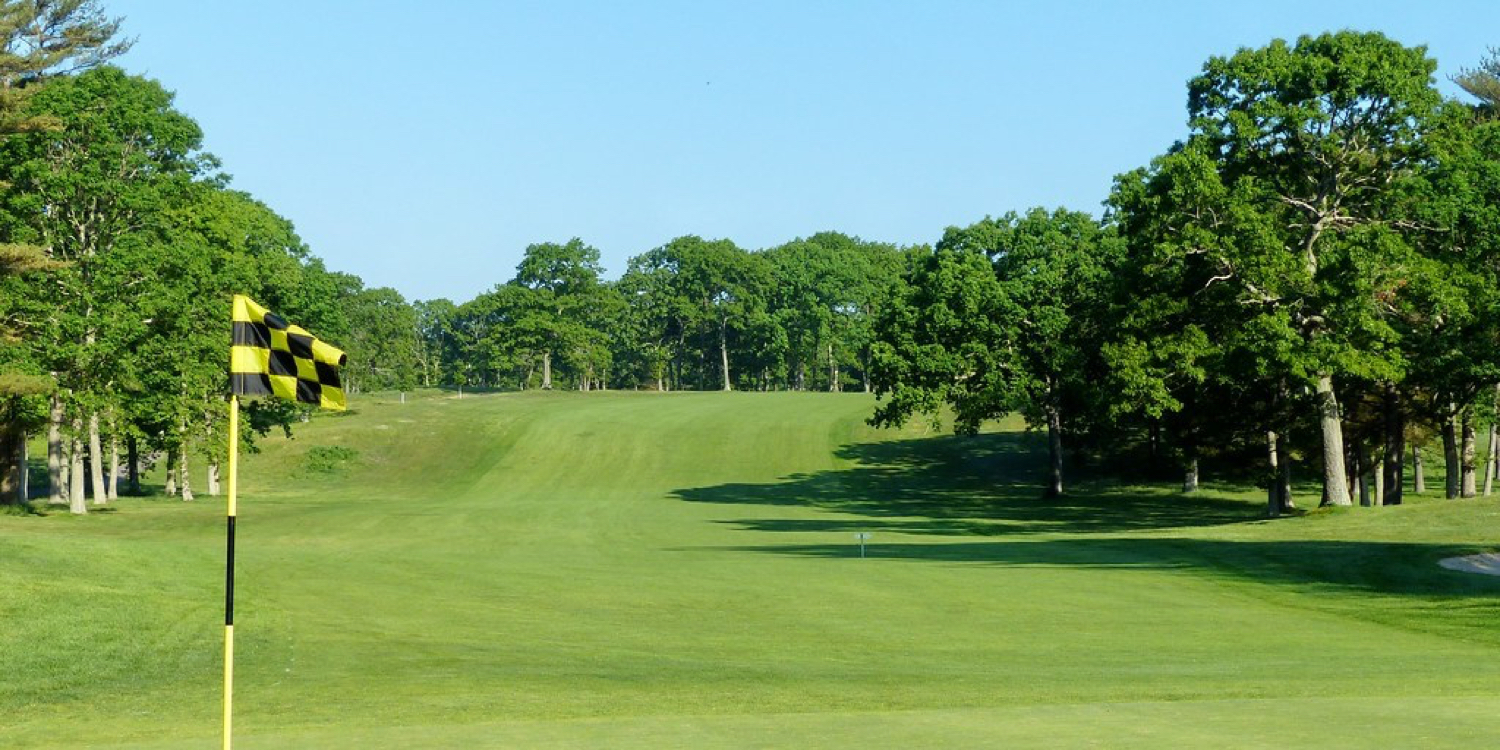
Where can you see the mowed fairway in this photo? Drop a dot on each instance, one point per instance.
(621, 570)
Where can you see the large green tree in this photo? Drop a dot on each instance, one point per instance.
(1003, 317)
(1309, 143)
(565, 281)
(37, 40)
(122, 155)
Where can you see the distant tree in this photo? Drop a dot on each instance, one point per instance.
(826, 293)
(383, 342)
(1483, 82)
(439, 351)
(565, 279)
(701, 297)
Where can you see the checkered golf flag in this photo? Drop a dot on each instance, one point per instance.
(271, 357)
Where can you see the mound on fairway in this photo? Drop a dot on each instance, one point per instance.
(681, 570)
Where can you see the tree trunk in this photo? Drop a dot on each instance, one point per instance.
(546, 371)
(1418, 474)
(55, 452)
(96, 462)
(1284, 482)
(1055, 451)
(724, 352)
(1335, 486)
(1273, 487)
(1395, 447)
(1377, 474)
(77, 503)
(114, 467)
(1466, 460)
(23, 457)
(12, 441)
(171, 481)
(133, 461)
(213, 479)
(1361, 488)
(1190, 476)
(187, 487)
(833, 371)
(1489, 461)
(1450, 457)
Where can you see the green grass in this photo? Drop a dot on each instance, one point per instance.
(680, 570)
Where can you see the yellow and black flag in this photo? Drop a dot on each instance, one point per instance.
(271, 357)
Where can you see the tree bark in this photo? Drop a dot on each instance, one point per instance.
(213, 479)
(724, 352)
(12, 440)
(833, 371)
(1273, 486)
(182, 462)
(1335, 486)
(114, 467)
(133, 459)
(1395, 447)
(1377, 474)
(546, 371)
(23, 459)
(1418, 474)
(1190, 476)
(171, 481)
(1466, 459)
(1284, 483)
(1361, 488)
(55, 452)
(1489, 461)
(1055, 451)
(1450, 457)
(96, 462)
(77, 503)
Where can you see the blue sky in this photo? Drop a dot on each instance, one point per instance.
(423, 146)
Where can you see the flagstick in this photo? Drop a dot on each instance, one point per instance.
(234, 445)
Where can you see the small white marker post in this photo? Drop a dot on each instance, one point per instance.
(862, 536)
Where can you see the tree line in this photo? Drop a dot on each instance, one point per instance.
(693, 314)
(122, 241)
(1310, 278)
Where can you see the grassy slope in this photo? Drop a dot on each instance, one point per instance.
(647, 570)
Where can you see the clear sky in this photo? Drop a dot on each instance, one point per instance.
(423, 146)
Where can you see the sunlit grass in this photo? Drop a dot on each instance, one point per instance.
(681, 570)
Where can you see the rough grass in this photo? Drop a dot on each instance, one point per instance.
(680, 570)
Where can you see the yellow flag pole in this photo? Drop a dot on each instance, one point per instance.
(234, 445)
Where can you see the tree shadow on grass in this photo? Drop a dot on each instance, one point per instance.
(986, 485)
(981, 496)
(1374, 567)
